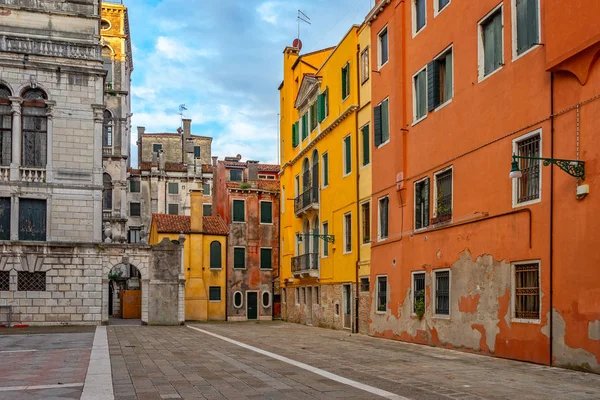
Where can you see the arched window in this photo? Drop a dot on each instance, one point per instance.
(35, 129)
(315, 176)
(305, 175)
(107, 192)
(238, 299)
(316, 238)
(306, 238)
(104, 24)
(5, 126)
(266, 299)
(215, 255)
(107, 129)
(108, 65)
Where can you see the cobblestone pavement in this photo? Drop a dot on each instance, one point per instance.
(54, 358)
(178, 362)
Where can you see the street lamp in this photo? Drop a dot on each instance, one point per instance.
(575, 168)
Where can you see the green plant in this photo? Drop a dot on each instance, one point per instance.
(114, 276)
(420, 304)
(244, 185)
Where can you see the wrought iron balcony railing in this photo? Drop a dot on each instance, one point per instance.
(309, 198)
(305, 263)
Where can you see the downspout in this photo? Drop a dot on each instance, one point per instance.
(357, 141)
(551, 212)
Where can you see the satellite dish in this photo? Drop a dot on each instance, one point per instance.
(297, 44)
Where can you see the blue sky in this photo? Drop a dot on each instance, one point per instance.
(223, 60)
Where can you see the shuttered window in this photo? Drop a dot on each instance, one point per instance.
(135, 210)
(173, 188)
(528, 25)
(347, 156)
(35, 126)
(385, 121)
(322, 105)
(439, 80)
(325, 169)
(366, 145)
(215, 255)
(295, 134)
(420, 98)
(266, 212)
(420, 17)
(239, 211)
(32, 219)
(305, 125)
(313, 116)
(347, 233)
(377, 125)
(214, 293)
(5, 218)
(239, 257)
(266, 258)
(206, 189)
(383, 47)
(422, 204)
(345, 81)
(383, 217)
(196, 152)
(207, 210)
(491, 31)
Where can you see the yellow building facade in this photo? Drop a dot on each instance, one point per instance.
(204, 251)
(323, 179)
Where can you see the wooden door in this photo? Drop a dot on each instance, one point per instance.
(131, 304)
(252, 311)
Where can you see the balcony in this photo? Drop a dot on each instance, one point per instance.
(306, 265)
(110, 151)
(33, 175)
(308, 200)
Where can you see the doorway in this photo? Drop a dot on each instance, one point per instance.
(124, 293)
(309, 305)
(347, 306)
(252, 305)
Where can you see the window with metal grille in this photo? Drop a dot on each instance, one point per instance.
(239, 257)
(173, 188)
(5, 218)
(266, 259)
(422, 204)
(207, 210)
(381, 293)
(266, 212)
(383, 217)
(235, 175)
(214, 293)
(206, 189)
(418, 289)
(527, 291)
(443, 200)
(239, 211)
(4, 280)
(364, 284)
(442, 292)
(366, 222)
(528, 185)
(316, 295)
(31, 281)
(135, 209)
(347, 233)
(174, 209)
(32, 219)
(134, 186)
(527, 24)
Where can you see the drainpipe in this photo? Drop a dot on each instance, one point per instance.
(357, 141)
(551, 212)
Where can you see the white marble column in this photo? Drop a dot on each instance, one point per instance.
(15, 161)
(49, 140)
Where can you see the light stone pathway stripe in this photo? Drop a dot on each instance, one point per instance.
(19, 388)
(310, 368)
(98, 381)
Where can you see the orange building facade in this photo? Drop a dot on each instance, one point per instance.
(462, 256)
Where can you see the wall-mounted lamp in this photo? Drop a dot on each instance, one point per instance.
(575, 168)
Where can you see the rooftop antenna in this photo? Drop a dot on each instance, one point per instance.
(301, 18)
(182, 108)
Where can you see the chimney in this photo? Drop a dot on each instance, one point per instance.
(252, 170)
(141, 131)
(187, 128)
(214, 161)
(196, 210)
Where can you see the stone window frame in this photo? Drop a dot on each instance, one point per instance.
(513, 286)
(262, 299)
(233, 210)
(260, 212)
(169, 208)
(317, 294)
(170, 185)
(220, 294)
(260, 259)
(480, 47)
(387, 293)
(434, 291)
(241, 299)
(412, 291)
(297, 293)
(245, 258)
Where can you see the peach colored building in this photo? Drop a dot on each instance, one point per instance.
(462, 256)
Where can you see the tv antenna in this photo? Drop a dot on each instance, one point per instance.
(301, 18)
(182, 108)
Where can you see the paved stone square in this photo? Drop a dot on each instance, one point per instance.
(179, 362)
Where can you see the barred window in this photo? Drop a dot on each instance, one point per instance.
(31, 281)
(527, 291)
(4, 280)
(316, 295)
(364, 284)
(348, 233)
(381, 293)
(418, 289)
(442, 292)
(528, 185)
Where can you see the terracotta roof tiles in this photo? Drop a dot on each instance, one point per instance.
(166, 223)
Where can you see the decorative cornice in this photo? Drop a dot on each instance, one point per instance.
(378, 8)
(50, 48)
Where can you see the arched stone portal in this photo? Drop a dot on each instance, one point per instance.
(125, 292)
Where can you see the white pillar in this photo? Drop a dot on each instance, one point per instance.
(14, 218)
(49, 140)
(15, 161)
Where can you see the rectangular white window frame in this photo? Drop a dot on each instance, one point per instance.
(380, 238)
(515, 182)
(439, 56)
(260, 259)
(260, 212)
(344, 158)
(412, 291)
(435, 288)
(325, 169)
(480, 49)
(513, 14)
(417, 119)
(297, 299)
(347, 242)
(415, 204)
(415, 32)
(380, 61)
(387, 125)
(513, 293)
(387, 294)
(435, 194)
(325, 247)
(233, 211)
(436, 7)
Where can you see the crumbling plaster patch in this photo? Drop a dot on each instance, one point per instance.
(567, 356)
(594, 330)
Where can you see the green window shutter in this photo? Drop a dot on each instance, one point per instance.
(295, 134)
(305, 126)
(215, 255)
(366, 145)
(321, 107)
(325, 169)
(385, 121)
(433, 86)
(238, 211)
(348, 153)
(426, 203)
(344, 75)
(239, 257)
(266, 212)
(266, 259)
(377, 125)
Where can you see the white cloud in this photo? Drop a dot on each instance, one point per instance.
(267, 11)
(176, 50)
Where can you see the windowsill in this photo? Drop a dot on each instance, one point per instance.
(325, 187)
(214, 301)
(365, 244)
(415, 33)
(347, 175)
(216, 269)
(345, 98)
(527, 203)
(238, 222)
(347, 252)
(365, 166)
(525, 321)
(266, 269)
(239, 269)
(384, 64)
(438, 12)
(266, 223)
(379, 240)
(444, 104)
(364, 81)
(423, 229)
(383, 144)
(529, 50)
(381, 312)
(441, 316)
(415, 122)
(483, 78)
(325, 256)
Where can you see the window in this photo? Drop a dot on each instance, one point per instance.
(31, 281)
(442, 292)
(107, 129)
(325, 242)
(348, 233)
(108, 65)
(32, 219)
(381, 123)
(207, 210)
(5, 126)
(156, 148)
(439, 5)
(173, 209)
(366, 222)
(284, 300)
(491, 43)
(5, 212)
(215, 255)
(269, 177)
(206, 189)
(303, 295)
(439, 74)
(214, 293)
(134, 235)
(173, 188)
(419, 16)
(238, 299)
(323, 105)
(239, 257)
(196, 152)
(383, 47)
(364, 64)
(4, 281)
(325, 170)
(297, 296)
(526, 297)
(239, 211)
(134, 186)
(382, 232)
(34, 130)
(418, 289)
(266, 212)
(313, 116)
(422, 203)
(527, 25)
(528, 187)
(345, 81)
(295, 133)
(235, 175)
(366, 145)
(382, 293)
(420, 94)
(443, 195)
(364, 284)
(347, 155)
(104, 24)
(135, 209)
(107, 192)
(266, 259)
(266, 299)
(305, 125)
